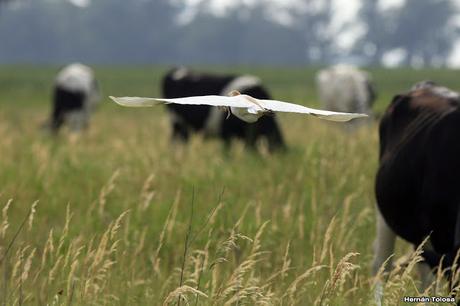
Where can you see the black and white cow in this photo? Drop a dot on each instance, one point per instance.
(344, 88)
(76, 94)
(417, 186)
(211, 121)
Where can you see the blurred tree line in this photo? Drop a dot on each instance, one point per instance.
(166, 31)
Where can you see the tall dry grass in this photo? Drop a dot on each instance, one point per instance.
(106, 218)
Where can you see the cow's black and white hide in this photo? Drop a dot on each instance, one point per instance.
(214, 122)
(75, 96)
(345, 88)
(417, 189)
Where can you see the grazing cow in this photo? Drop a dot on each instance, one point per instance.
(211, 121)
(346, 89)
(75, 96)
(417, 186)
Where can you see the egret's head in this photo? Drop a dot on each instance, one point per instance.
(234, 93)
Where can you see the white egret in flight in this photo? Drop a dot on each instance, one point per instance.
(244, 107)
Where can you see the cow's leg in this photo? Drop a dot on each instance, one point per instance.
(456, 248)
(426, 276)
(383, 245)
(180, 133)
(275, 141)
(268, 128)
(213, 125)
(383, 249)
(274, 138)
(57, 119)
(77, 120)
(250, 138)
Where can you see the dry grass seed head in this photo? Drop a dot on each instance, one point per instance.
(147, 193)
(33, 210)
(327, 239)
(182, 293)
(294, 286)
(4, 226)
(106, 191)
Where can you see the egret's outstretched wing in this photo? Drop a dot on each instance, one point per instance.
(252, 108)
(280, 106)
(236, 101)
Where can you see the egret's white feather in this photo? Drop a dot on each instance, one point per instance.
(280, 106)
(236, 101)
(245, 107)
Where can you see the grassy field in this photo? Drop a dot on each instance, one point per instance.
(118, 216)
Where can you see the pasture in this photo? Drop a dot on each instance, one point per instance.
(119, 216)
